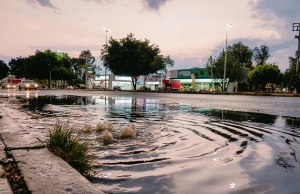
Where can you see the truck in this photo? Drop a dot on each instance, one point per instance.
(171, 84)
(27, 84)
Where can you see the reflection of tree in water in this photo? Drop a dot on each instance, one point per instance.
(38, 103)
(293, 122)
(237, 116)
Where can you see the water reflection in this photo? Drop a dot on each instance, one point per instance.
(181, 148)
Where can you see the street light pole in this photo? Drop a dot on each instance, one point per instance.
(50, 84)
(296, 27)
(229, 25)
(105, 62)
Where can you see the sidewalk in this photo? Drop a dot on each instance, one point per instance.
(42, 171)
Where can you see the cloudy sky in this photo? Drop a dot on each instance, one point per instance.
(187, 30)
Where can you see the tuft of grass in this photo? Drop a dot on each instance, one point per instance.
(64, 142)
(100, 127)
(133, 127)
(128, 132)
(106, 136)
(87, 129)
(109, 126)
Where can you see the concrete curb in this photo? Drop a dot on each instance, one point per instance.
(42, 171)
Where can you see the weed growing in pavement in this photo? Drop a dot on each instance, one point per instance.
(128, 132)
(109, 126)
(87, 129)
(66, 143)
(107, 137)
(100, 127)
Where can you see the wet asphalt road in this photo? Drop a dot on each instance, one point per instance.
(273, 105)
(180, 146)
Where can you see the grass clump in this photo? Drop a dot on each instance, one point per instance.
(100, 127)
(64, 142)
(109, 126)
(128, 132)
(106, 137)
(87, 129)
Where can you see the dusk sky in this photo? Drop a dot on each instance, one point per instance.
(187, 30)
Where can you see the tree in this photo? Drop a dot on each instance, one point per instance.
(234, 71)
(4, 70)
(17, 67)
(291, 76)
(263, 74)
(242, 53)
(43, 63)
(261, 55)
(133, 57)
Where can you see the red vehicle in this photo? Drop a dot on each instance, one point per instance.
(171, 84)
(145, 88)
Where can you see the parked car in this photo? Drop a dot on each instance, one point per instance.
(28, 84)
(69, 87)
(80, 86)
(145, 88)
(97, 87)
(117, 88)
(43, 86)
(8, 86)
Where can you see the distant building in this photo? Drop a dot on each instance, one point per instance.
(11, 79)
(190, 79)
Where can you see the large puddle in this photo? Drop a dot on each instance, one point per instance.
(177, 148)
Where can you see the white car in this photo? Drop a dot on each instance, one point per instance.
(8, 86)
(28, 84)
(69, 87)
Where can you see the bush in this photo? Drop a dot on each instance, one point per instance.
(100, 127)
(87, 129)
(64, 142)
(128, 132)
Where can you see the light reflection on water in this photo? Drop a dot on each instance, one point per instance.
(182, 148)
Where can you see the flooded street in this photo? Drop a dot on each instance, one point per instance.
(185, 143)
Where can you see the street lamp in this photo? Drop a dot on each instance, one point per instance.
(296, 27)
(105, 67)
(229, 25)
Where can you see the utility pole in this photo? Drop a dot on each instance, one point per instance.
(296, 27)
(210, 59)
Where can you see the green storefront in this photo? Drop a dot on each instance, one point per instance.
(203, 82)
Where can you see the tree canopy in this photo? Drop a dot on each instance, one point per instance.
(261, 55)
(263, 74)
(291, 75)
(39, 66)
(4, 69)
(132, 57)
(17, 67)
(234, 71)
(242, 53)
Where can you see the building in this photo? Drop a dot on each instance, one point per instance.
(195, 79)
(11, 79)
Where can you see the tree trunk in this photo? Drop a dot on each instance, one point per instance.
(134, 80)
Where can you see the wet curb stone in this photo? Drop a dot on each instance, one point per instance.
(43, 172)
(4, 184)
(46, 173)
